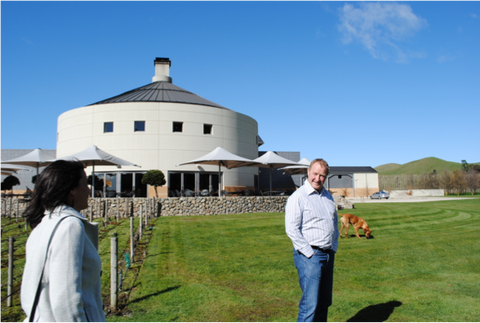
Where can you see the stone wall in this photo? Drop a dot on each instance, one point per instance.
(342, 203)
(395, 194)
(173, 206)
(222, 205)
(350, 192)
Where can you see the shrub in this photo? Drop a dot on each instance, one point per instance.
(155, 178)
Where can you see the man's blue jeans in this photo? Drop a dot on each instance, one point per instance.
(315, 275)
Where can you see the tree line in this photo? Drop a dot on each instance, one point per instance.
(460, 181)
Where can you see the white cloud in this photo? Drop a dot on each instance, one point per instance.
(446, 58)
(380, 27)
(28, 41)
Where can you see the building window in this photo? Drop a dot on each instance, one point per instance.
(192, 184)
(139, 126)
(177, 126)
(207, 129)
(108, 127)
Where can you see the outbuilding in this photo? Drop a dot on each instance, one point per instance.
(352, 181)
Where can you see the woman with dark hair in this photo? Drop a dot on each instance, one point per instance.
(61, 278)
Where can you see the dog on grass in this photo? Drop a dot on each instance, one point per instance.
(357, 223)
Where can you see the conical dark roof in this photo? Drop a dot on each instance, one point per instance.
(160, 92)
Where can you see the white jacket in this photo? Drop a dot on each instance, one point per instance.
(71, 283)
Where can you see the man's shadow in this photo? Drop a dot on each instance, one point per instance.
(375, 313)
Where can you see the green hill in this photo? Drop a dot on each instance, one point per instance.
(387, 168)
(422, 166)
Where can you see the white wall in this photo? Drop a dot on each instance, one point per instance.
(158, 147)
(416, 193)
(366, 180)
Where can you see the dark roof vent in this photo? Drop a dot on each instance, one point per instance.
(162, 60)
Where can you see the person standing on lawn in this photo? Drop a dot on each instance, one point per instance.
(61, 279)
(311, 222)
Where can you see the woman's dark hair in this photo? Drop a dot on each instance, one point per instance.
(52, 188)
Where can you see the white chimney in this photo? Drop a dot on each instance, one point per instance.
(162, 70)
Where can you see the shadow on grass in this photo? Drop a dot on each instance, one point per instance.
(375, 313)
(154, 294)
(362, 236)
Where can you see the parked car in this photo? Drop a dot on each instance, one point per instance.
(380, 195)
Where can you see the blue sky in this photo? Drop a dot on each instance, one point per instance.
(357, 83)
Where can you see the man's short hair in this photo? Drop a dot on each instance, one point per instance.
(322, 162)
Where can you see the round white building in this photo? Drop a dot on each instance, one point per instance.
(159, 126)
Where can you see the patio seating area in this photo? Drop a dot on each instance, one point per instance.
(206, 193)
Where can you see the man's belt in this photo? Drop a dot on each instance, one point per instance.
(325, 250)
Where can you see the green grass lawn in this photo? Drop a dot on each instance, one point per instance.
(422, 265)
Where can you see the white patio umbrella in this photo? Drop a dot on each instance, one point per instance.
(271, 160)
(300, 169)
(94, 156)
(8, 169)
(36, 158)
(12, 168)
(221, 157)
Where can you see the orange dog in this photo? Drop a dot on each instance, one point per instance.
(357, 223)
